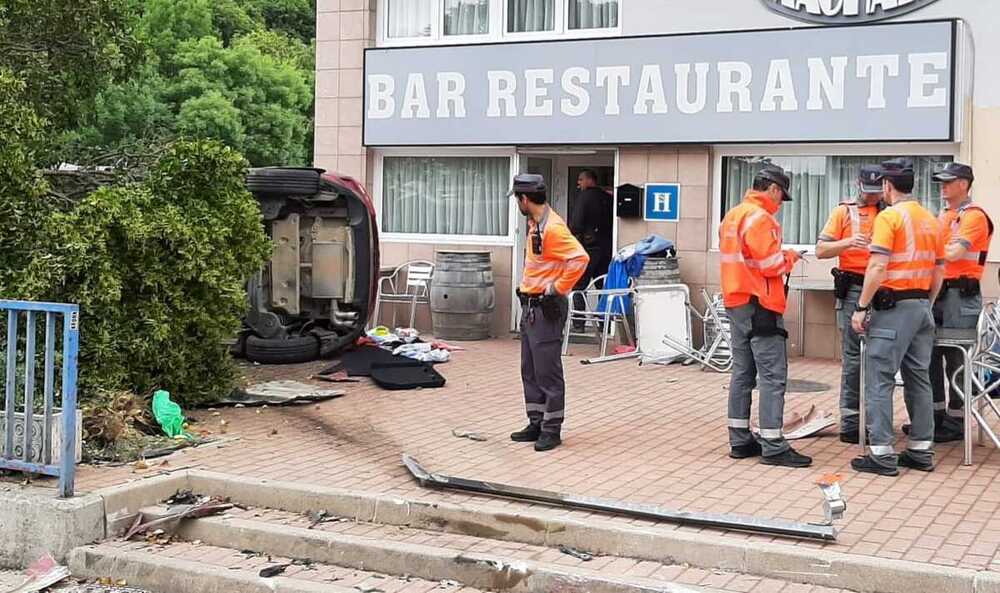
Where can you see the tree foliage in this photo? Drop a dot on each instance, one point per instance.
(158, 269)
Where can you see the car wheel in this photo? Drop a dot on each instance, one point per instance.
(283, 181)
(290, 350)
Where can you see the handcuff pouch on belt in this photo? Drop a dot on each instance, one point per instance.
(764, 322)
(550, 304)
(843, 281)
(967, 287)
(884, 299)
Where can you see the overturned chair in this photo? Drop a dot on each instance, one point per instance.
(716, 353)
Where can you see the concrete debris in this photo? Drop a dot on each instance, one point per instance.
(472, 436)
(576, 553)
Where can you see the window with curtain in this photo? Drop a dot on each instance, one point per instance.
(526, 16)
(446, 195)
(466, 17)
(818, 184)
(593, 14)
(410, 18)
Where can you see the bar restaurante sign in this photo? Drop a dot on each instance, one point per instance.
(844, 12)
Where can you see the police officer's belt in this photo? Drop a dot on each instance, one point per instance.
(852, 278)
(843, 281)
(886, 298)
(529, 299)
(964, 283)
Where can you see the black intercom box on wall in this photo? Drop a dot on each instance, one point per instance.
(629, 201)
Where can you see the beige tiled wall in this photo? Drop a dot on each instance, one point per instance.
(344, 28)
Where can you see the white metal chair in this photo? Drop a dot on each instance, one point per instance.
(603, 322)
(409, 284)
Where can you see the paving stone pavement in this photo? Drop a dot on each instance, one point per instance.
(648, 434)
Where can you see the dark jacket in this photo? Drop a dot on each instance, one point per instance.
(591, 219)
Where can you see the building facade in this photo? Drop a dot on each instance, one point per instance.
(435, 104)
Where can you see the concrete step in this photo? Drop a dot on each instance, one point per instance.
(198, 568)
(477, 562)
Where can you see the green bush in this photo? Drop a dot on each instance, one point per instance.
(158, 269)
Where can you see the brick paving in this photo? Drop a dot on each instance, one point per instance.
(648, 434)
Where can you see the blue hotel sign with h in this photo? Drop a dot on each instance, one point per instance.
(662, 202)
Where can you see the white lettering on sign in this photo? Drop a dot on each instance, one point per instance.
(734, 80)
(877, 68)
(920, 80)
(927, 86)
(661, 202)
(822, 81)
(844, 11)
(572, 78)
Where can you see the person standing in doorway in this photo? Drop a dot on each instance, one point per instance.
(903, 278)
(753, 266)
(553, 263)
(846, 236)
(969, 231)
(591, 222)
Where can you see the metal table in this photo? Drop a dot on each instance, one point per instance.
(964, 340)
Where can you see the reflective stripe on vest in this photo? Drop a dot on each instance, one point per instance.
(855, 215)
(973, 263)
(911, 268)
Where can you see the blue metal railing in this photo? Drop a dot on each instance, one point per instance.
(40, 460)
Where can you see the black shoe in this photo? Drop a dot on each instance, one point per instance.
(948, 435)
(867, 465)
(528, 435)
(745, 451)
(906, 461)
(790, 458)
(548, 441)
(852, 437)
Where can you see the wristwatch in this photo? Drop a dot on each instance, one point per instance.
(859, 309)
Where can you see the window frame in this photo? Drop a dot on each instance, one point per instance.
(507, 240)
(886, 150)
(498, 28)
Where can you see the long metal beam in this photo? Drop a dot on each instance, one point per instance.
(643, 511)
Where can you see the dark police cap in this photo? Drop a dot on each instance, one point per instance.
(896, 169)
(953, 171)
(527, 183)
(777, 175)
(871, 179)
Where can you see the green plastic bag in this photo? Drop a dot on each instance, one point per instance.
(168, 414)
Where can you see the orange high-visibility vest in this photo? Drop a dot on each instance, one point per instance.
(914, 242)
(846, 220)
(560, 264)
(752, 262)
(971, 226)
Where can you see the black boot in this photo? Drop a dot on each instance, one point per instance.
(906, 461)
(548, 441)
(850, 436)
(790, 458)
(867, 465)
(745, 451)
(528, 435)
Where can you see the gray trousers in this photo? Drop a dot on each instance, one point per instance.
(541, 368)
(901, 339)
(757, 361)
(951, 310)
(850, 371)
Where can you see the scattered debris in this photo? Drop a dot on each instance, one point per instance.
(280, 393)
(183, 497)
(197, 511)
(615, 507)
(799, 426)
(316, 518)
(450, 583)
(338, 377)
(273, 571)
(368, 589)
(42, 574)
(140, 465)
(834, 504)
(464, 434)
(576, 553)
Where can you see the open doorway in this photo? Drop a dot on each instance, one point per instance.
(561, 167)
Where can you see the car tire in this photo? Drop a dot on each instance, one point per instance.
(291, 350)
(283, 181)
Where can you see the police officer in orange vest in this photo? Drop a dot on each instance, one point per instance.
(903, 278)
(553, 263)
(753, 267)
(969, 230)
(846, 235)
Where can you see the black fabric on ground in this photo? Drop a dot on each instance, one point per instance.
(358, 362)
(399, 376)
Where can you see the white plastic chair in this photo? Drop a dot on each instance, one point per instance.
(604, 321)
(409, 284)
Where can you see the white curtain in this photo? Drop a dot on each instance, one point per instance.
(410, 18)
(818, 184)
(593, 14)
(446, 195)
(466, 17)
(524, 16)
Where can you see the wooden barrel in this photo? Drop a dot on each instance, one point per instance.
(463, 296)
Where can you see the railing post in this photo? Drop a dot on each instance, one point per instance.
(71, 345)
